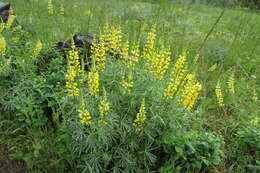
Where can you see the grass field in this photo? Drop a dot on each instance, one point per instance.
(126, 115)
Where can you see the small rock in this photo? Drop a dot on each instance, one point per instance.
(81, 40)
(4, 11)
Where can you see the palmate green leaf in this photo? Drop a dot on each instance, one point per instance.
(205, 161)
(179, 150)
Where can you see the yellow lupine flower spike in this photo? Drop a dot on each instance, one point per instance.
(177, 77)
(141, 116)
(62, 9)
(93, 82)
(2, 45)
(84, 115)
(37, 49)
(128, 83)
(113, 39)
(50, 7)
(230, 83)
(98, 56)
(212, 68)
(74, 70)
(190, 92)
(10, 21)
(103, 106)
(219, 95)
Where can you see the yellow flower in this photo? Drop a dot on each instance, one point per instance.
(150, 45)
(230, 83)
(160, 63)
(141, 116)
(212, 68)
(255, 97)
(4, 65)
(255, 121)
(15, 39)
(196, 58)
(84, 115)
(157, 62)
(98, 55)
(10, 21)
(125, 52)
(177, 77)
(37, 49)
(17, 28)
(2, 45)
(103, 106)
(112, 38)
(131, 60)
(128, 83)
(62, 10)
(219, 95)
(74, 72)
(50, 7)
(190, 92)
(135, 55)
(93, 82)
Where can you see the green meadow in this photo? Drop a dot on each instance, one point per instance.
(167, 86)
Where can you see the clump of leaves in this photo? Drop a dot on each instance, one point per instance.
(191, 151)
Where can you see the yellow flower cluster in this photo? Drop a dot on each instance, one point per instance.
(10, 21)
(2, 45)
(112, 39)
(150, 45)
(15, 39)
(219, 95)
(230, 83)
(73, 71)
(177, 77)
(134, 58)
(98, 54)
(196, 59)
(62, 10)
(17, 28)
(125, 52)
(212, 68)
(128, 83)
(93, 82)
(255, 97)
(84, 115)
(37, 49)
(140, 117)
(190, 92)
(4, 65)
(130, 60)
(75, 5)
(50, 7)
(160, 63)
(255, 121)
(103, 106)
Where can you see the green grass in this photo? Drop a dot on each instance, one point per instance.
(233, 45)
